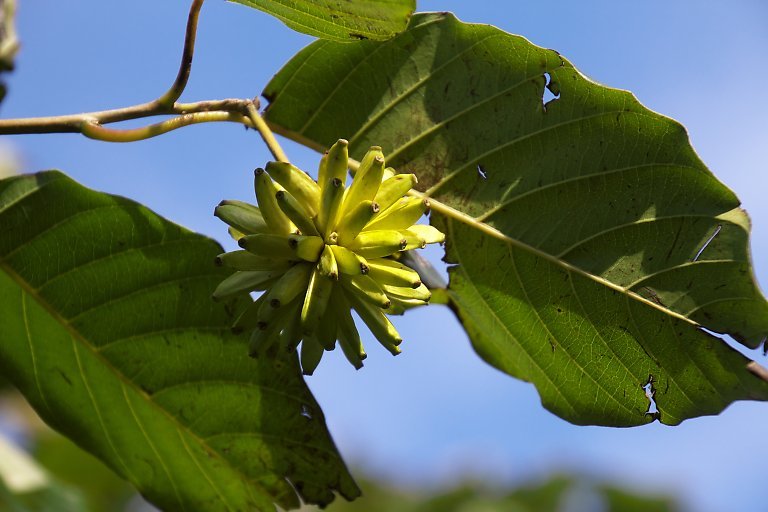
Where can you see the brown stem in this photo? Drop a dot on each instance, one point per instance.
(91, 124)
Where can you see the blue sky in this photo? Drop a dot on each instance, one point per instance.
(435, 413)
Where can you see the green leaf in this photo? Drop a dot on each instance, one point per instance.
(622, 500)
(340, 21)
(110, 333)
(590, 244)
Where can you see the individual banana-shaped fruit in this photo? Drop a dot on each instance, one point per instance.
(273, 216)
(265, 337)
(319, 250)
(367, 180)
(337, 163)
(326, 331)
(401, 215)
(244, 260)
(353, 221)
(245, 281)
(420, 292)
(296, 213)
(378, 244)
(308, 248)
(269, 246)
(378, 323)
(366, 288)
(347, 334)
(248, 319)
(430, 234)
(315, 301)
(412, 240)
(393, 273)
(330, 204)
(393, 189)
(297, 183)
(349, 262)
(244, 217)
(293, 282)
(388, 173)
(311, 353)
(328, 266)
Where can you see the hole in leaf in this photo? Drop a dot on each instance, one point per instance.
(709, 241)
(306, 411)
(650, 393)
(551, 91)
(482, 172)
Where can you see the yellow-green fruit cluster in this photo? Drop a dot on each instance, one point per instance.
(320, 249)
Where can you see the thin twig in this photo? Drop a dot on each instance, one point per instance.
(185, 69)
(266, 133)
(99, 132)
(91, 124)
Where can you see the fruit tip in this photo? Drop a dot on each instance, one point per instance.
(258, 171)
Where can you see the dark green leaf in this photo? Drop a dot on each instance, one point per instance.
(340, 21)
(110, 333)
(591, 244)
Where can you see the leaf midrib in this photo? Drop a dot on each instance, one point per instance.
(76, 335)
(458, 216)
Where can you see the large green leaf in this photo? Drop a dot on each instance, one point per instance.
(340, 21)
(590, 243)
(109, 331)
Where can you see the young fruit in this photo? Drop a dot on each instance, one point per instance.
(318, 250)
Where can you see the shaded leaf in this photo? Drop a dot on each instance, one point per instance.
(340, 21)
(589, 242)
(110, 333)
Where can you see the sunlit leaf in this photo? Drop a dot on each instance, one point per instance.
(110, 333)
(589, 243)
(350, 20)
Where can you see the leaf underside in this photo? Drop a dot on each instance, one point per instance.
(110, 333)
(340, 21)
(588, 241)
